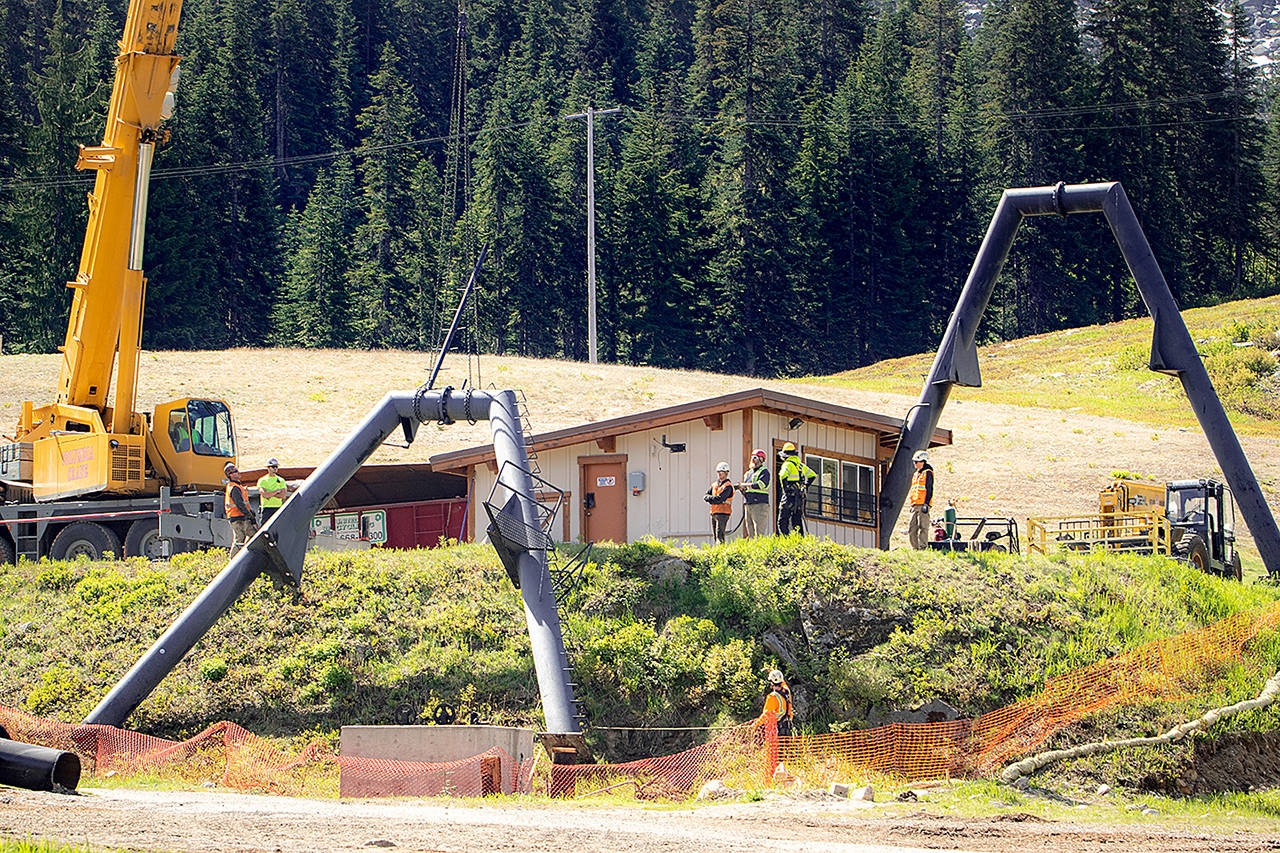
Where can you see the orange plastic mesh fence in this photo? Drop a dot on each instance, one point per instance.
(746, 757)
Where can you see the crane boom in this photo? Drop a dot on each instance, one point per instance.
(106, 310)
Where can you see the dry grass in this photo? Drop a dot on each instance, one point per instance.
(1008, 459)
(1082, 369)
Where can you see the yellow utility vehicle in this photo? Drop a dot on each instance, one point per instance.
(1192, 520)
(91, 443)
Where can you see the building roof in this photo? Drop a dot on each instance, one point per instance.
(757, 398)
(402, 482)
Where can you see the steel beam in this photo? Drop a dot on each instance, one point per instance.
(1172, 350)
(279, 548)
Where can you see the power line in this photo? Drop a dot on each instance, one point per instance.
(890, 122)
(55, 181)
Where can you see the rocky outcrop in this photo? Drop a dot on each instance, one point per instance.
(833, 625)
(933, 711)
(1242, 762)
(669, 570)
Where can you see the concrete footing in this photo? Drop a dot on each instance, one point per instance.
(379, 761)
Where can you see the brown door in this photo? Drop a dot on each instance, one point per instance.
(604, 498)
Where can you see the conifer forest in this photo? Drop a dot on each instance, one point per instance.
(790, 186)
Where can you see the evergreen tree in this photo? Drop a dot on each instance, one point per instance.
(1241, 183)
(810, 178)
(215, 264)
(1037, 79)
(883, 297)
(310, 101)
(659, 302)
(48, 215)
(384, 254)
(818, 278)
(1120, 145)
(944, 88)
(747, 61)
(828, 33)
(316, 307)
(514, 210)
(605, 33)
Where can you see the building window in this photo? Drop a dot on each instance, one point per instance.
(844, 491)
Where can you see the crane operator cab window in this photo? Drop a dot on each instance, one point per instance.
(179, 432)
(209, 423)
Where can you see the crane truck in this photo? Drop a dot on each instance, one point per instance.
(88, 474)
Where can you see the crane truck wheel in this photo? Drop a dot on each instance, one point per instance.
(1191, 548)
(84, 539)
(6, 549)
(143, 540)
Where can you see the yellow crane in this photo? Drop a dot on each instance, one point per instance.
(91, 443)
(91, 440)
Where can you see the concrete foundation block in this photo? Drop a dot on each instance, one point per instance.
(469, 761)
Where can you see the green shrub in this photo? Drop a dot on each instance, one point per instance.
(1132, 358)
(335, 678)
(379, 631)
(57, 575)
(59, 687)
(213, 670)
(1242, 378)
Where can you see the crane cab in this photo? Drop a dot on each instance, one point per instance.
(185, 446)
(193, 439)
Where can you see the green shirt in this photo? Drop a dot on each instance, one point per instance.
(271, 483)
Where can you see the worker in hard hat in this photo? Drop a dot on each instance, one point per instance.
(239, 513)
(794, 478)
(919, 500)
(755, 496)
(272, 490)
(777, 705)
(720, 496)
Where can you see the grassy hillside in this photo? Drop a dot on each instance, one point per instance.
(661, 638)
(1102, 370)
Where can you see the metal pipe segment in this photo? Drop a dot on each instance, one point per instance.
(1172, 350)
(37, 768)
(279, 548)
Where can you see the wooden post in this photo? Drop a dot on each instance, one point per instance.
(490, 775)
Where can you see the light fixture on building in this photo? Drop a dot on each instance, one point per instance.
(794, 423)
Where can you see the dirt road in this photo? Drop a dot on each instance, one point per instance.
(240, 823)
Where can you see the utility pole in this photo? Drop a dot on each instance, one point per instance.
(591, 224)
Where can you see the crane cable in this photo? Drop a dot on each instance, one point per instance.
(456, 189)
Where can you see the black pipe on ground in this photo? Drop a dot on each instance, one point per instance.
(37, 768)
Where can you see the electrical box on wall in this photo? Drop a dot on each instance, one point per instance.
(635, 479)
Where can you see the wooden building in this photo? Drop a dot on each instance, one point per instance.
(645, 474)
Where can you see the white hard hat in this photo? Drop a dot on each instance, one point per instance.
(723, 466)
(920, 456)
(775, 676)
(272, 463)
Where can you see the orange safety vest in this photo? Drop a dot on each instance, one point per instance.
(233, 511)
(718, 491)
(919, 489)
(778, 704)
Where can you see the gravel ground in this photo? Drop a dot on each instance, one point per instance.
(240, 823)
